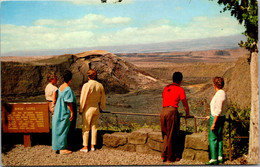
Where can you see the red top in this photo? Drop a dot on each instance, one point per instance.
(172, 94)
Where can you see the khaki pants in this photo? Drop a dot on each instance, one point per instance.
(90, 122)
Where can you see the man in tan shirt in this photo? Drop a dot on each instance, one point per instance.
(92, 100)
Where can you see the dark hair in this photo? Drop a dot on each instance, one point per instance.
(51, 76)
(67, 76)
(218, 82)
(177, 77)
(92, 74)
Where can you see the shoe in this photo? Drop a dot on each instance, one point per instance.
(84, 150)
(177, 159)
(212, 162)
(92, 149)
(64, 152)
(163, 159)
(170, 161)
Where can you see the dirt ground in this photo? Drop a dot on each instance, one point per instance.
(43, 155)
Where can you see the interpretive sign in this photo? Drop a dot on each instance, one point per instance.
(25, 118)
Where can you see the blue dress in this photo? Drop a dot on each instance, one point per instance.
(60, 120)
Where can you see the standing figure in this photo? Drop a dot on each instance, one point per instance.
(66, 105)
(218, 107)
(51, 91)
(170, 119)
(92, 101)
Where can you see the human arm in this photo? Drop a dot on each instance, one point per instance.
(217, 106)
(103, 99)
(214, 123)
(186, 107)
(217, 103)
(83, 97)
(54, 97)
(70, 106)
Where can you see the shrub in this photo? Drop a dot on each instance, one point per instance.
(239, 126)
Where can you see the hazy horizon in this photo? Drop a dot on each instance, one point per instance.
(220, 43)
(36, 26)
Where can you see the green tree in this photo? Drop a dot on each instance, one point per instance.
(246, 12)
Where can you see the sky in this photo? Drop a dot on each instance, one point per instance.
(42, 25)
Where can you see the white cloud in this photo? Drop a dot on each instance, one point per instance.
(116, 20)
(98, 30)
(90, 21)
(201, 27)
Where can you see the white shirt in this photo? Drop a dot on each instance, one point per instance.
(218, 104)
(49, 91)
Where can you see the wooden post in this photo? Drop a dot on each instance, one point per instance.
(195, 124)
(27, 140)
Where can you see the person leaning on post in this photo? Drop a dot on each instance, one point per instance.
(51, 91)
(65, 107)
(218, 107)
(92, 101)
(170, 119)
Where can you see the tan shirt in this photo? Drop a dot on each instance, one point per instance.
(92, 95)
(49, 91)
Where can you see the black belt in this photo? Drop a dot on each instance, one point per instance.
(49, 100)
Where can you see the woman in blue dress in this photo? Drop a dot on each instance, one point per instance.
(63, 115)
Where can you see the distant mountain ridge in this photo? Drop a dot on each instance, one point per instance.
(229, 42)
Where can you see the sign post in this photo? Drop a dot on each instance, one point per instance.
(25, 118)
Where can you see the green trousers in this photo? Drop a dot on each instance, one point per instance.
(215, 137)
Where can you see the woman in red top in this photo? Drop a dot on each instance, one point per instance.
(170, 119)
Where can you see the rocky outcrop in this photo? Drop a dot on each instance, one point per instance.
(237, 84)
(117, 75)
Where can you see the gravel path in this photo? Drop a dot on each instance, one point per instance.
(41, 155)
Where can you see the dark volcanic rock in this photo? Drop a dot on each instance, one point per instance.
(117, 75)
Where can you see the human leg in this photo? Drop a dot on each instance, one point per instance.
(86, 127)
(213, 141)
(220, 138)
(164, 135)
(172, 140)
(94, 124)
